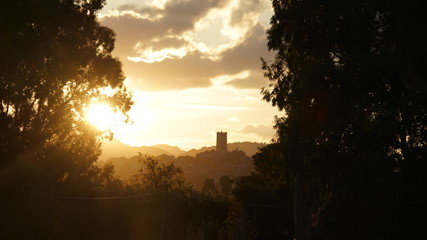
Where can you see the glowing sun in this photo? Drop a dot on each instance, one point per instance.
(102, 116)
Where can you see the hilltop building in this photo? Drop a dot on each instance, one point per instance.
(221, 141)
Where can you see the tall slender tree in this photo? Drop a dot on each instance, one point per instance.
(350, 77)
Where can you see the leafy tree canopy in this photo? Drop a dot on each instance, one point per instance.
(55, 60)
(156, 176)
(350, 76)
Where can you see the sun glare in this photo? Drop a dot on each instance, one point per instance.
(102, 116)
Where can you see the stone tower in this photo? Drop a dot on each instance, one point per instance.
(221, 141)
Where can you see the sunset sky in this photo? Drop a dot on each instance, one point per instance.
(194, 68)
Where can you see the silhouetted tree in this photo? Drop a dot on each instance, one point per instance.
(108, 184)
(209, 188)
(350, 77)
(226, 184)
(258, 198)
(158, 177)
(238, 225)
(306, 194)
(55, 59)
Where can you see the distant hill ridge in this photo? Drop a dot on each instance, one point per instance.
(197, 164)
(116, 148)
(250, 148)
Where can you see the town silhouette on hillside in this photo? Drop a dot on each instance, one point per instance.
(199, 166)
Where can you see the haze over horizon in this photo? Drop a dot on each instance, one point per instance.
(345, 158)
(194, 69)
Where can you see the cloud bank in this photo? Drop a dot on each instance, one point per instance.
(180, 44)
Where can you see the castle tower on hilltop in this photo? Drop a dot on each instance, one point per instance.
(221, 141)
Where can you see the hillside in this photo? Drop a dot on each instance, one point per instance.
(250, 148)
(198, 164)
(173, 150)
(209, 164)
(116, 148)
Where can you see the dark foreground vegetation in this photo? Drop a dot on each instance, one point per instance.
(348, 160)
(156, 204)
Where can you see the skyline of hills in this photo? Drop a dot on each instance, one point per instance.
(116, 149)
(197, 164)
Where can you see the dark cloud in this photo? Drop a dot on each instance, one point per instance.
(165, 42)
(194, 70)
(254, 80)
(127, 7)
(130, 30)
(178, 17)
(184, 14)
(244, 9)
(190, 71)
(247, 55)
(261, 130)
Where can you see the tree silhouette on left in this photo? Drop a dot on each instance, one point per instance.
(55, 59)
